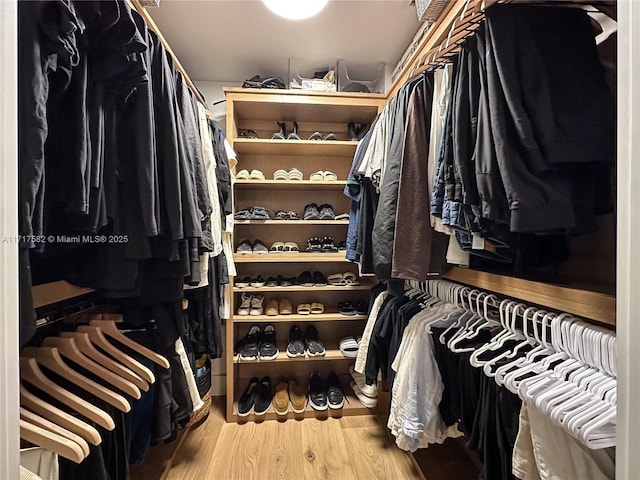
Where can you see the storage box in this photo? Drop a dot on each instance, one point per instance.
(374, 82)
(328, 82)
(429, 10)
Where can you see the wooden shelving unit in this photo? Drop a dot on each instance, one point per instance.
(260, 111)
(583, 303)
(56, 292)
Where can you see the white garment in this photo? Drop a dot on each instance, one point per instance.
(26, 474)
(455, 254)
(524, 464)
(188, 373)
(415, 418)
(375, 156)
(559, 456)
(43, 463)
(225, 306)
(210, 164)
(441, 95)
(363, 349)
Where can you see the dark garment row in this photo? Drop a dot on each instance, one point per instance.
(486, 413)
(530, 133)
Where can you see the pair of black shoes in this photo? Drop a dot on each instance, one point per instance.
(256, 398)
(356, 132)
(326, 394)
(282, 133)
(259, 343)
(307, 344)
(324, 245)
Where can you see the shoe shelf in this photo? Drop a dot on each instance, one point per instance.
(312, 148)
(291, 184)
(301, 257)
(330, 354)
(298, 288)
(263, 111)
(352, 406)
(317, 317)
(291, 222)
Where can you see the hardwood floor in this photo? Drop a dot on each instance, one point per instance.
(349, 448)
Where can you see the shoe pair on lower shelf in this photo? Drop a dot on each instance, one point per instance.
(327, 393)
(259, 344)
(256, 398)
(289, 396)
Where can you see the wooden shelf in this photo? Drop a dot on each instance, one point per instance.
(352, 407)
(318, 107)
(291, 222)
(328, 148)
(330, 354)
(299, 288)
(321, 317)
(56, 292)
(290, 258)
(583, 303)
(290, 184)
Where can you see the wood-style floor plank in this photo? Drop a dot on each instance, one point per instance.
(325, 451)
(347, 448)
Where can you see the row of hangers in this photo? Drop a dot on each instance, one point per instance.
(556, 363)
(92, 347)
(469, 20)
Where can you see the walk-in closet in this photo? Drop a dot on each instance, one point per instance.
(320, 239)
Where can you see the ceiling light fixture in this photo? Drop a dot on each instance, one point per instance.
(295, 9)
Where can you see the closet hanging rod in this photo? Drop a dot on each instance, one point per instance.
(148, 19)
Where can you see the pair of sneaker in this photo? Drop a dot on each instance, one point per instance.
(313, 211)
(366, 390)
(252, 305)
(252, 213)
(259, 344)
(246, 247)
(253, 175)
(289, 396)
(327, 393)
(256, 398)
(308, 344)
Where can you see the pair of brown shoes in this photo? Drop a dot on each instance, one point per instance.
(282, 307)
(289, 393)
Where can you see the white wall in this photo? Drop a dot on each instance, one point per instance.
(628, 225)
(9, 398)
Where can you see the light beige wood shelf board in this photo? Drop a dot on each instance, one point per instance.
(583, 303)
(54, 292)
(352, 406)
(290, 185)
(322, 317)
(296, 258)
(298, 288)
(256, 146)
(291, 223)
(304, 107)
(330, 354)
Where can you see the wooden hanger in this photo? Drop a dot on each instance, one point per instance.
(51, 441)
(31, 373)
(97, 337)
(60, 417)
(83, 342)
(109, 327)
(38, 421)
(68, 348)
(50, 358)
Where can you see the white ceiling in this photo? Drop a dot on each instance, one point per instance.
(228, 41)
